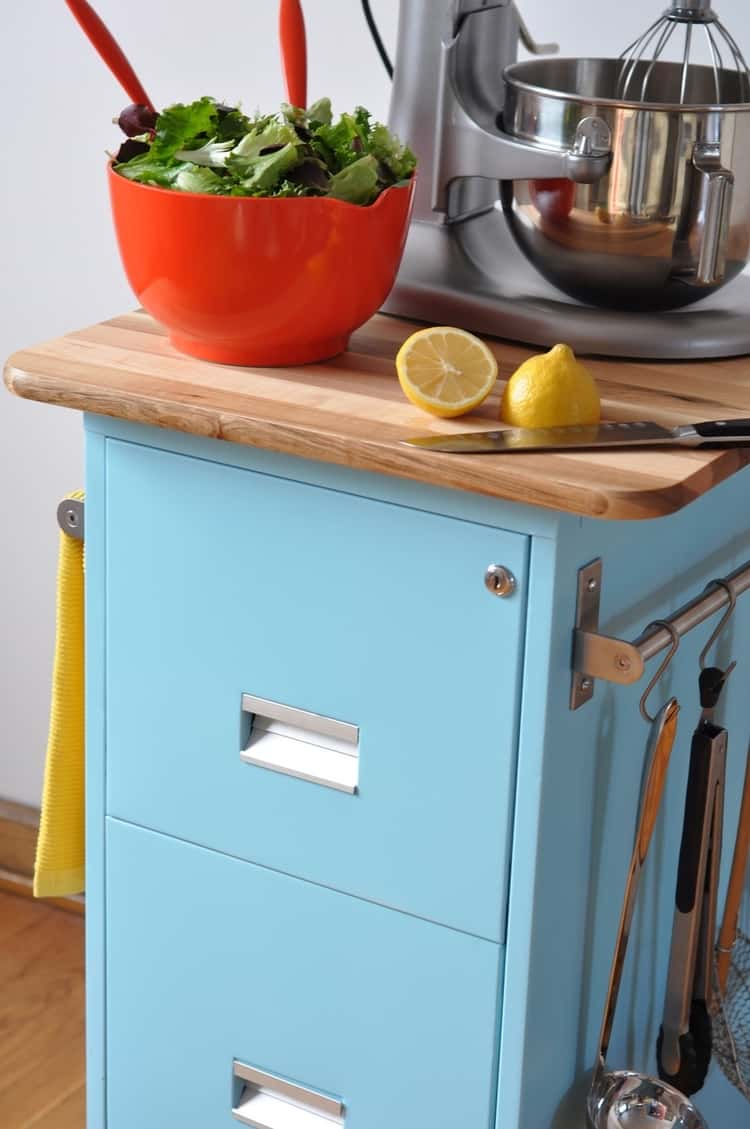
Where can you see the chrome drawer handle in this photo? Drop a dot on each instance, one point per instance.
(297, 743)
(268, 1102)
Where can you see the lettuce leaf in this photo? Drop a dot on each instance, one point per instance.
(232, 124)
(386, 148)
(311, 176)
(273, 135)
(149, 170)
(194, 178)
(213, 154)
(320, 113)
(357, 183)
(289, 188)
(266, 172)
(341, 144)
(179, 126)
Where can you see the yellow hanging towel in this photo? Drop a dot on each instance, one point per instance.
(60, 849)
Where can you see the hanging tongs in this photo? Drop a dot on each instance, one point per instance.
(684, 1044)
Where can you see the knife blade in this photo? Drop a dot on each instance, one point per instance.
(640, 433)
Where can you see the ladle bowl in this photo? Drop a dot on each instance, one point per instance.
(624, 1099)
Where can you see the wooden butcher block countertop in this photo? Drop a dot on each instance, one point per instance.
(351, 411)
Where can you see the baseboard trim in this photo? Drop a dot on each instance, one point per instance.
(23, 887)
(19, 825)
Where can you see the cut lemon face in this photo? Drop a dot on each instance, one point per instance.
(446, 371)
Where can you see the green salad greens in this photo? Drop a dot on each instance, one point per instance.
(209, 147)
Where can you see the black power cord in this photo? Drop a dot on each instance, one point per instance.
(376, 37)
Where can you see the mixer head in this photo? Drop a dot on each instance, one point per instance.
(694, 28)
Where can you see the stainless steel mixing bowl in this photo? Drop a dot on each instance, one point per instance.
(670, 222)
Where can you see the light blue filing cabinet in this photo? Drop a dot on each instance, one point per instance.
(353, 860)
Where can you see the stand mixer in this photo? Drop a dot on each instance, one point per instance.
(603, 202)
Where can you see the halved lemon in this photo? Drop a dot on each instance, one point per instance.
(446, 371)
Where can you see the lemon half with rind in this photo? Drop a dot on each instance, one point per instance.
(551, 390)
(446, 371)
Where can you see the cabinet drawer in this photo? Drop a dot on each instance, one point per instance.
(224, 583)
(212, 961)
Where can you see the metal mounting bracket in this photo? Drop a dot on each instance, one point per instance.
(587, 620)
(70, 517)
(595, 655)
(617, 660)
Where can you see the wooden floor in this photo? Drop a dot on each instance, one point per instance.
(41, 1016)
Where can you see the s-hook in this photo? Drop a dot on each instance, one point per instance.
(717, 631)
(665, 623)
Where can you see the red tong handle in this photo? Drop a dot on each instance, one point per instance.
(293, 51)
(110, 51)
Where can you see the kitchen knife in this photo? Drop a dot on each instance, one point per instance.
(517, 440)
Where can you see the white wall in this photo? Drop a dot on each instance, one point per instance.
(59, 263)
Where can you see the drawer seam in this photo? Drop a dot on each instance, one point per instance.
(307, 881)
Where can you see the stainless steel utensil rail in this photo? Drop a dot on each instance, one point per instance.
(618, 660)
(697, 611)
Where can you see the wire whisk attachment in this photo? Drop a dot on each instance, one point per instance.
(709, 66)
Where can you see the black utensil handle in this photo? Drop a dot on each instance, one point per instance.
(729, 429)
(693, 827)
(710, 684)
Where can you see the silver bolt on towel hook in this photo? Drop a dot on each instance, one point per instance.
(70, 517)
(722, 622)
(665, 623)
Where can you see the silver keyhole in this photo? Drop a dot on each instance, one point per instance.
(499, 580)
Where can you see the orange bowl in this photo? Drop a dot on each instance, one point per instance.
(251, 281)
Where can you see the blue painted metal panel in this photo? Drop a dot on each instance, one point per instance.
(95, 777)
(578, 784)
(222, 582)
(527, 1086)
(211, 959)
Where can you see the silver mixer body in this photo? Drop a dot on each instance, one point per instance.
(642, 208)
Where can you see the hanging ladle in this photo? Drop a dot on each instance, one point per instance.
(624, 1099)
(110, 51)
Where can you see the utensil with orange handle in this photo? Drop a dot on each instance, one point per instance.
(735, 889)
(293, 51)
(110, 51)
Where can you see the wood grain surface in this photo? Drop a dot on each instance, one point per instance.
(41, 1017)
(351, 411)
(19, 827)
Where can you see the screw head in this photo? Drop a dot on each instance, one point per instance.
(592, 584)
(622, 662)
(499, 580)
(585, 683)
